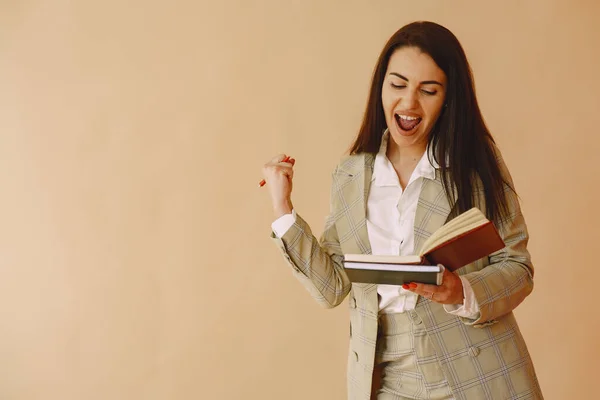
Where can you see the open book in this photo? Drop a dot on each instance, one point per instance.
(463, 240)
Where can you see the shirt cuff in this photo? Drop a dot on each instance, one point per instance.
(469, 309)
(282, 224)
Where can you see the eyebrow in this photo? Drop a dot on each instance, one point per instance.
(422, 83)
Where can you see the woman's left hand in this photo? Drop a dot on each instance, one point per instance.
(449, 292)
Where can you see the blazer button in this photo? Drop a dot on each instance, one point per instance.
(415, 317)
(352, 302)
(474, 351)
(356, 356)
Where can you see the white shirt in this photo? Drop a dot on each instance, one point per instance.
(390, 223)
(391, 218)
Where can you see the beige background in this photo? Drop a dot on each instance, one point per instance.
(134, 253)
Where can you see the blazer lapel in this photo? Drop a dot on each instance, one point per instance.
(433, 210)
(352, 181)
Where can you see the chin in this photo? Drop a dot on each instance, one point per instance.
(405, 139)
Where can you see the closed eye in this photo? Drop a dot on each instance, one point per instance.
(426, 92)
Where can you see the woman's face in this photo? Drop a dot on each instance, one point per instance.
(413, 95)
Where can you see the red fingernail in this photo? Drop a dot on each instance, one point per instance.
(413, 285)
(405, 286)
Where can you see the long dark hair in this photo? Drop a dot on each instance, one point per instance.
(462, 144)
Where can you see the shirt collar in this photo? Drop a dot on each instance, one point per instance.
(384, 173)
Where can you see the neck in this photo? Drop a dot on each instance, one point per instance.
(405, 154)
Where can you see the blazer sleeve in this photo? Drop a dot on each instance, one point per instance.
(317, 264)
(503, 284)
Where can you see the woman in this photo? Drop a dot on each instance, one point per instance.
(422, 156)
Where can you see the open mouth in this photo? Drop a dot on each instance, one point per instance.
(407, 123)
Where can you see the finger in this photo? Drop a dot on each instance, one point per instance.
(286, 164)
(274, 166)
(287, 171)
(288, 161)
(279, 158)
(282, 169)
(422, 289)
(447, 272)
(432, 292)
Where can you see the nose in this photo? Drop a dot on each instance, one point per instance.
(409, 99)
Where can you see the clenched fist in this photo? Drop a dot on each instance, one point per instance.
(278, 175)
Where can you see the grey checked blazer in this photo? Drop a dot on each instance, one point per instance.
(485, 358)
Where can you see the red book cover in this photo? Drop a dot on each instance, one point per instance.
(466, 248)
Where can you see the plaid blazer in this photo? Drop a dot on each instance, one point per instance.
(484, 358)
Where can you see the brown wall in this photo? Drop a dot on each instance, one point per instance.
(134, 253)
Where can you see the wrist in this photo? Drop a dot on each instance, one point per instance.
(283, 208)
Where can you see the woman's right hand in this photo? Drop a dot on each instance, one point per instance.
(279, 175)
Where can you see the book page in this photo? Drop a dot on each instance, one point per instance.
(465, 222)
(369, 258)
